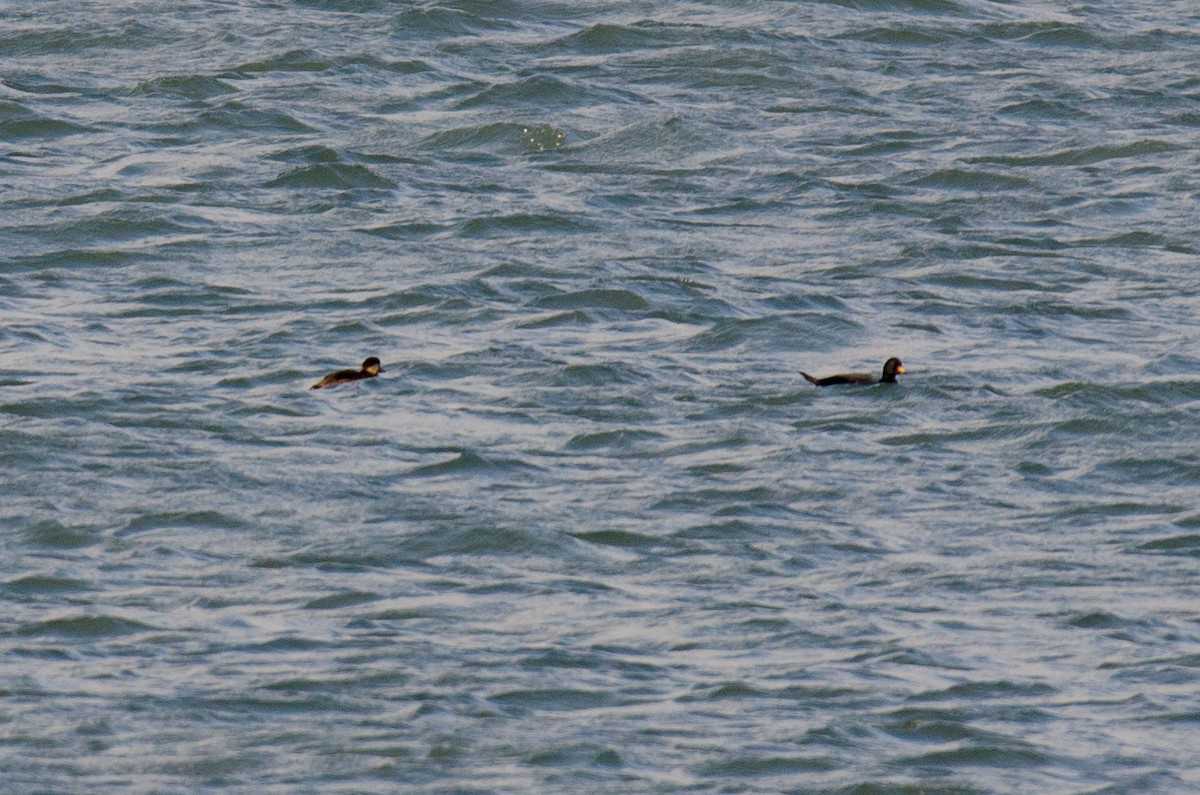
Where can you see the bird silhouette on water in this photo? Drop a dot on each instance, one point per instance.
(891, 368)
(370, 369)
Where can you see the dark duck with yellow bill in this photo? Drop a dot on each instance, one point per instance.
(891, 368)
(370, 369)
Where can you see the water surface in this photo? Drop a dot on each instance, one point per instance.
(591, 532)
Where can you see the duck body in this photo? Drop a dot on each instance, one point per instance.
(370, 368)
(891, 368)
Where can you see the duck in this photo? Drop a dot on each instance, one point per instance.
(370, 368)
(891, 368)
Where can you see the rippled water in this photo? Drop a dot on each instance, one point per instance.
(590, 531)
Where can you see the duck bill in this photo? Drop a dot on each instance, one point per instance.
(900, 369)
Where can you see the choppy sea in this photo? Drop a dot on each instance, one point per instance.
(591, 531)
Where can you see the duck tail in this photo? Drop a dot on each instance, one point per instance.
(811, 380)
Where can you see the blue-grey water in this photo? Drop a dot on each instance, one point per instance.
(591, 532)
